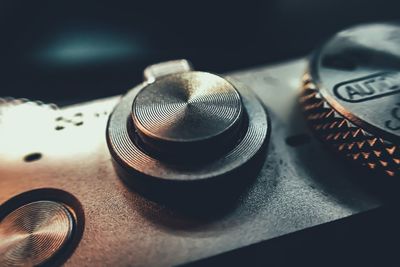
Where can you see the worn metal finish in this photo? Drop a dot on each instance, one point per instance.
(34, 233)
(351, 96)
(298, 187)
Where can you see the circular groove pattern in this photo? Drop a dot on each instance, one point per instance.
(186, 107)
(33, 233)
(133, 159)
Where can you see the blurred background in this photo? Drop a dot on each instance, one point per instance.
(70, 51)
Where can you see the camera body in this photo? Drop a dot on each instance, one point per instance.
(62, 155)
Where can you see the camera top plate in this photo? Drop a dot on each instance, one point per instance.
(299, 186)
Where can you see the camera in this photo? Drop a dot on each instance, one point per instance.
(190, 164)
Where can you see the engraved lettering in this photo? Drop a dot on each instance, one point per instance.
(394, 124)
(370, 87)
(352, 92)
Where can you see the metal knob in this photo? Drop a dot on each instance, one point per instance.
(185, 114)
(185, 131)
(32, 234)
(351, 96)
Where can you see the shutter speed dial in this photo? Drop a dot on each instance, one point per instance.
(351, 96)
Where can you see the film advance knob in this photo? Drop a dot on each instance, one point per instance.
(188, 115)
(351, 96)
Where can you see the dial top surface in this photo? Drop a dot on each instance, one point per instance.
(33, 233)
(186, 107)
(358, 73)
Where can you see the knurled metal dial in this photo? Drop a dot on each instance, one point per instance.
(33, 233)
(351, 96)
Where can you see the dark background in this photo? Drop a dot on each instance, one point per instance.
(70, 51)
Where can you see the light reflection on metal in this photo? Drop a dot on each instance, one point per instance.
(32, 234)
(28, 127)
(92, 48)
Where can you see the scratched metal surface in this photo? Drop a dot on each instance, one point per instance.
(297, 188)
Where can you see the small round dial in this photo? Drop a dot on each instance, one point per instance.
(33, 233)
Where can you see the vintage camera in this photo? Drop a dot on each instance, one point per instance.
(188, 164)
